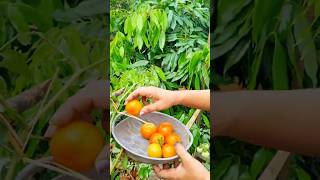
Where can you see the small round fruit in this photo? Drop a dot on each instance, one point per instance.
(165, 129)
(172, 139)
(134, 107)
(156, 138)
(76, 145)
(154, 150)
(147, 129)
(205, 154)
(168, 150)
(199, 149)
(206, 146)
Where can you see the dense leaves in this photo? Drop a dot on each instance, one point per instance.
(264, 45)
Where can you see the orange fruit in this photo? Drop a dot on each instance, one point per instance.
(76, 145)
(154, 150)
(134, 107)
(165, 129)
(168, 150)
(156, 138)
(147, 129)
(172, 139)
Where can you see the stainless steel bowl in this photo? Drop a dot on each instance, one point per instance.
(127, 134)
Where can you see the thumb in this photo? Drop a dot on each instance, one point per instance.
(149, 108)
(183, 153)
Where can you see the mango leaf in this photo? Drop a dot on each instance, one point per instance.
(279, 67)
(160, 73)
(162, 40)
(206, 120)
(222, 167)
(232, 173)
(264, 16)
(260, 159)
(197, 82)
(139, 23)
(303, 36)
(138, 64)
(302, 174)
(84, 9)
(230, 9)
(236, 55)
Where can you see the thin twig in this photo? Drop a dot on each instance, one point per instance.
(53, 168)
(37, 117)
(116, 161)
(126, 114)
(16, 143)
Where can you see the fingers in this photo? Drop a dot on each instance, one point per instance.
(79, 106)
(151, 107)
(183, 154)
(143, 91)
(165, 173)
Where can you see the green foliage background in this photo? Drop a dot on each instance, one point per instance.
(264, 45)
(163, 44)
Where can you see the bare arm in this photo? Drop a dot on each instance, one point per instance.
(194, 99)
(287, 120)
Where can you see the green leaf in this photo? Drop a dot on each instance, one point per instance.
(236, 55)
(121, 51)
(260, 160)
(3, 35)
(206, 120)
(306, 46)
(139, 64)
(162, 40)
(197, 82)
(255, 67)
(221, 168)
(139, 23)
(160, 73)
(302, 174)
(264, 17)
(125, 162)
(279, 67)
(232, 173)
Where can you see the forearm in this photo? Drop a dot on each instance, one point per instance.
(199, 99)
(288, 120)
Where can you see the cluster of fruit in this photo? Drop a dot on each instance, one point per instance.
(161, 139)
(203, 150)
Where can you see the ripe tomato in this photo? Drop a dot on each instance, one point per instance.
(134, 107)
(154, 150)
(76, 145)
(147, 129)
(168, 150)
(165, 129)
(156, 138)
(172, 139)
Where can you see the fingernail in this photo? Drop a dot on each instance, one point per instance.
(50, 131)
(141, 113)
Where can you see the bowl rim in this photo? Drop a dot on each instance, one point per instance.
(152, 158)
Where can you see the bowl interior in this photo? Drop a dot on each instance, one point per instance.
(127, 133)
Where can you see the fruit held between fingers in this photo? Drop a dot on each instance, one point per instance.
(134, 107)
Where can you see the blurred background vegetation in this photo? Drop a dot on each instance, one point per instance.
(54, 48)
(271, 45)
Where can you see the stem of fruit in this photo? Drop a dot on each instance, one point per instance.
(134, 117)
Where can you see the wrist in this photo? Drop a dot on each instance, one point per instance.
(178, 97)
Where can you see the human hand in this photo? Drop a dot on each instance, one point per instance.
(79, 106)
(161, 99)
(188, 169)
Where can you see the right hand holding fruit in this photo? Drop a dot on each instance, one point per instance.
(161, 99)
